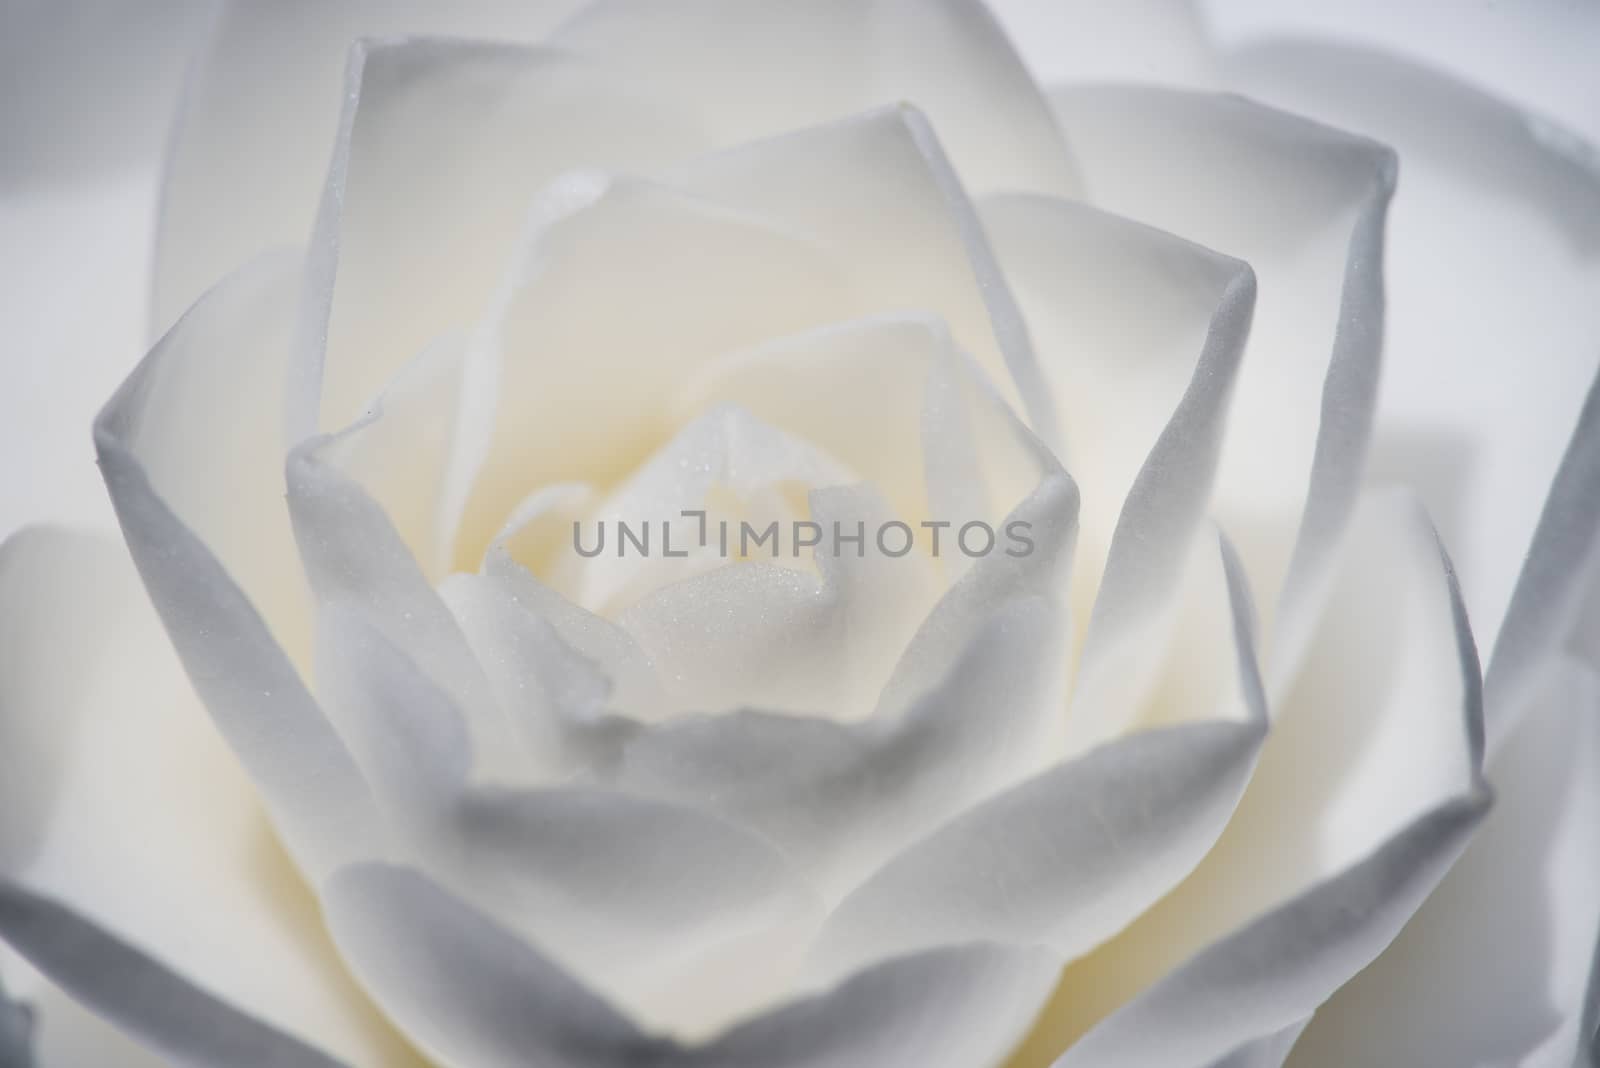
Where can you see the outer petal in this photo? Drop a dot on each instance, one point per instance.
(1071, 856)
(823, 226)
(441, 148)
(479, 997)
(1161, 42)
(119, 804)
(1305, 205)
(1557, 578)
(1288, 960)
(1366, 792)
(1493, 250)
(1139, 335)
(260, 111)
(165, 1010)
(1269, 1051)
(663, 906)
(751, 69)
(1502, 949)
(200, 531)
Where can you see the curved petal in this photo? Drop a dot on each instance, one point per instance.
(1074, 854)
(190, 449)
(1305, 205)
(260, 109)
(402, 452)
(822, 226)
(1550, 593)
(1268, 1051)
(119, 801)
(16, 1032)
(1160, 42)
(895, 400)
(140, 994)
(840, 797)
(751, 69)
(442, 146)
(476, 995)
(1502, 949)
(662, 906)
(1367, 789)
(880, 193)
(556, 668)
(1269, 973)
(1140, 336)
(358, 563)
(1481, 176)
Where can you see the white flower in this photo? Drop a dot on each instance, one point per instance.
(1201, 777)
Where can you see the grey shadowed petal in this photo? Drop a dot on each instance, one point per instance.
(16, 1033)
(479, 997)
(1549, 594)
(137, 993)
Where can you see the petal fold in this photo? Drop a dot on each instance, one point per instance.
(477, 995)
(235, 144)
(1074, 854)
(1305, 205)
(140, 994)
(190, 449)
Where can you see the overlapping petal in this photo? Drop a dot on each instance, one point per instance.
(751, 69)
(191, 449)
(1367, 791)
(128, 829)
(1305, 205)
(479, 996)
(1074, 854)
(245, 166)
(1140, 336)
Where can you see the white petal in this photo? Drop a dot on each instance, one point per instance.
(1480, 177)
(763, 634)
(663, 907)
(190, 449)
(575, 400)
(1501, 951)
(468, 991)
(1074, 854)
(1533, 58)
(402, 452)
(1366, 791)
(441, 148)
(477, 996)
(880, 193)
(822, 226)
(752, 68)
(1268, 1051)
(140, 994)
(357, 562)
(533, 617)
(895, 400)
(1145, 41)
(1139, 335)
(1271, 972)
(261, 106)
(841, 797)
(728, 464)
(63, 1034)
(1551, 591)
(132, 812)
(1305, 206)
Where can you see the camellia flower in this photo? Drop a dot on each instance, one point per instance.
(731, 533)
